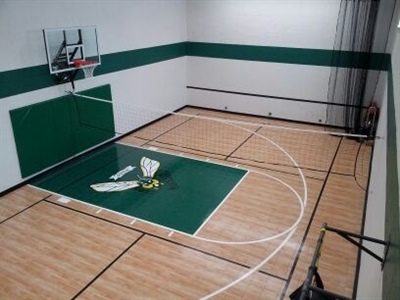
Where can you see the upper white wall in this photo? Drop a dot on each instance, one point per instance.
(122, 25)
(278, 23)
(264, 78)
(282, 23)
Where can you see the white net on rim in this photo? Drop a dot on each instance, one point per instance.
(87, 66)
(88, 70)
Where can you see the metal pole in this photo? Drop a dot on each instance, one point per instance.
(313, 267)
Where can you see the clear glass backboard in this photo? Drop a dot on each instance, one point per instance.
(70, 49)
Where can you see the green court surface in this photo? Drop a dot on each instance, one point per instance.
(184, 194)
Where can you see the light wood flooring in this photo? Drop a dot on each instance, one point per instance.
(55, 250)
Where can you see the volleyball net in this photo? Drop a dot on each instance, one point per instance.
(258, 142)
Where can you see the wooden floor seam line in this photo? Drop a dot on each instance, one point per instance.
(299, 251)
(164, 239)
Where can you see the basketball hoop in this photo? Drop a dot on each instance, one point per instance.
(87, 66)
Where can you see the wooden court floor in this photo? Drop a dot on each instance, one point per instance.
(53, 248)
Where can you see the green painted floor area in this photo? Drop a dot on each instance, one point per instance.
(185, 192)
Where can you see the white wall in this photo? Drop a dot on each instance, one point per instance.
(396, 87)
(281, 23)
(383, 25)
(370, 278)
(264, 78)
(122, 25)
(370, 275)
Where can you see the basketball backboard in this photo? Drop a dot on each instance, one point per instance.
(67, 46)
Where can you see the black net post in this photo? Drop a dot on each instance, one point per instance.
(314, 264)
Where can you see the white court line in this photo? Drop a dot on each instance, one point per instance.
(265, 174)
(253, 270)
(185, 157)
(63, 200)
(113, 211)
(133, 221)
(221, 203)
(99, 211)
(302, 202)
(170, 234)
(292, 227)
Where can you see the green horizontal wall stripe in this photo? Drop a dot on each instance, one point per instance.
(33, 78)
(24, 80)
(316, 57)
(135, 58)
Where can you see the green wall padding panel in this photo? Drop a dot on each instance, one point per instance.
(51, 131)
(35, 137)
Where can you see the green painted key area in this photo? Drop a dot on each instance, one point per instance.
(188, 190)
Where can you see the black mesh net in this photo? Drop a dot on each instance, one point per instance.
(353, 45)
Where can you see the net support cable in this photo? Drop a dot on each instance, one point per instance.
(313, 269)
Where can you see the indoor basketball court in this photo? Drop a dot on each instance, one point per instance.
(228, 197)
(187, 158)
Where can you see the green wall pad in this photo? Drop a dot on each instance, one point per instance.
(51, 131)
(180, 194)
